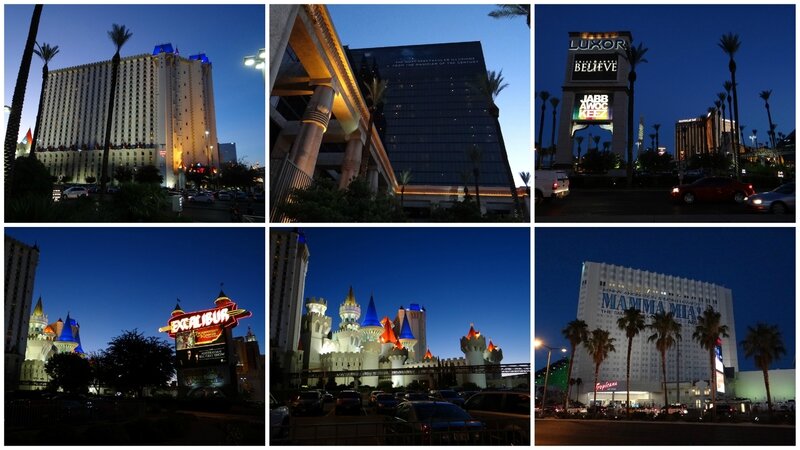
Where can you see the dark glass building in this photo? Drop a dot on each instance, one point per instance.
(435, 109)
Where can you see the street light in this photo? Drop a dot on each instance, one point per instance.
(538, 343)
(257, 61)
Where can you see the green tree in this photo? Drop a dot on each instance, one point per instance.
(139, 362)
(707, 333)
(634, 56)
(138, 202)
(17, 100)
(323, 201)
(68, 371)
(238, 175)
(119, 35)
(512, 11)
(46, 53)
(764, 344)
(651, 161)
(123, 174)
(90, 179)
(600, 162)
(765, 96)
(34, 178)
(632, 322)
(730, 43)
(376, 91)
(599, 344)
(666, 333)
(576, 332)
(148, 174)
(404, 178)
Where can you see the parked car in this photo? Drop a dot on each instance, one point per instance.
(279, 420)
(385, 404)
(348, 401)
(373, 395)
(240, 195)
(201, 197)
(507, 414)
(550, 184)
(224, 195)
(307, 402)
(467, 394)
(448, 395)
(75, 192)
(432, 422)
(416, 396)
(777, 201)
(712, 189)
(675, 408)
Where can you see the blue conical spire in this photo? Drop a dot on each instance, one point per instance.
(66, 331)
(371, 317)
(405, 330)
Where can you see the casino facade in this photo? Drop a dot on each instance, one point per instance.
(606, 290)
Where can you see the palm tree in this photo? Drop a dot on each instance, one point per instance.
(119, 36)
(765, 96)
(722, 96)
(18, 98)
(764, 344)
(734, 139)
(634, 56)
(707, 333)
(544, 95)
(403, 179)
(376, 90)
(730, 43)
(475, 157)
(46, 53)
(711, 112)
(512, 11)
(579, 140)
(599, 344)
(652, 141)
(656, 126)
(596, 140)
(494, 84)
(576, 332)
(465, 177)
(578, 383)
(772, 128)
(554, 103)
(755, 141)
(526, 178)
(666, 333)
(717, 140)
(632, 322)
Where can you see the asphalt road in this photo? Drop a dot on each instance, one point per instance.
(643, 205)
(605, 432)
(219, 211)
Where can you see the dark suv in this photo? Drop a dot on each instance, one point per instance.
(507, 415)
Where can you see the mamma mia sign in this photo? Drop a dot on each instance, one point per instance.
(620, 302)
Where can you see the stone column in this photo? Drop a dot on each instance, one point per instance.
(281, 21)
(305, 148)
(352, 160)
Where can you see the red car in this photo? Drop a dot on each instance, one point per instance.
(712, 189)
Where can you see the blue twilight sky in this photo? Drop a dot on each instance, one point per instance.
(756, 264)
(460, 276)
(225, 33)
(506, 47)
(115, 279)
(685, 69)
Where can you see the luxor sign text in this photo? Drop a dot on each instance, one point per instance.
(598, 44)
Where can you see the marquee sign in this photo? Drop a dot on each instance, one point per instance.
(592, 108)
(207, 322)
(595, 67)
(607, 386)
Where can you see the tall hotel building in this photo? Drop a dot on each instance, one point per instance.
(20, 271)
(163, 116)
(607, 290)
(288, 267)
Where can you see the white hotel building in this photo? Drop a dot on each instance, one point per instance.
(164, 116)
(606, 290)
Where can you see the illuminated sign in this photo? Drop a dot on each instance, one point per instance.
(225, 315)
(718, 359)
(202, 356)
(620, 302)
(595, 67)
(598, 44)
(720, 382)
(607, 386)
(592, 108)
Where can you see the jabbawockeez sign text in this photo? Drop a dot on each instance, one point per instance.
(620, 302)
(593, 107)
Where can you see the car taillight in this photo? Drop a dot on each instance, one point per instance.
(750, 186)
(555, 185)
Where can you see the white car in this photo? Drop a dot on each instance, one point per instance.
(551, 184)
(224, 195)
(75, 192)
(202, 197)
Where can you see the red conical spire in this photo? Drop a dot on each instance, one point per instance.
(491, 346)
(472, 333)
(428, 355)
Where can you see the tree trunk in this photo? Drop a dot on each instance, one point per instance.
(39, 112)
(596, 373)
(771, 133)
(365, 149)
(18, 98)
(713, 384)
(629, 166)
(541, 129)
(569, 373)
(664, 375)
(766, 385)
(735, 112)
(628, 381)
(109, 120)
(476, 173)
(402, 196)
(495, 112)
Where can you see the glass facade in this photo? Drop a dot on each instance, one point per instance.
(435, 111)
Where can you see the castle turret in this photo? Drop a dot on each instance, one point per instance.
(473, 346)
(371, 330)
(407, 339)
(415, 315)
(387, 339)
(348, 337)
(66, 342)
(493, 353)
(397, 356)
(315, 325)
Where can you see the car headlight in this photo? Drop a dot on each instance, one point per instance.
(757, 201)
(675, 190)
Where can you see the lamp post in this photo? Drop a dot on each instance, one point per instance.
(538, 343)
(256, 61)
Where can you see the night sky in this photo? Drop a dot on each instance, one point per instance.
(226, 34)
(460, 276)
(686, 68)
(505, 42)
(115, 279)
(757, 264)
